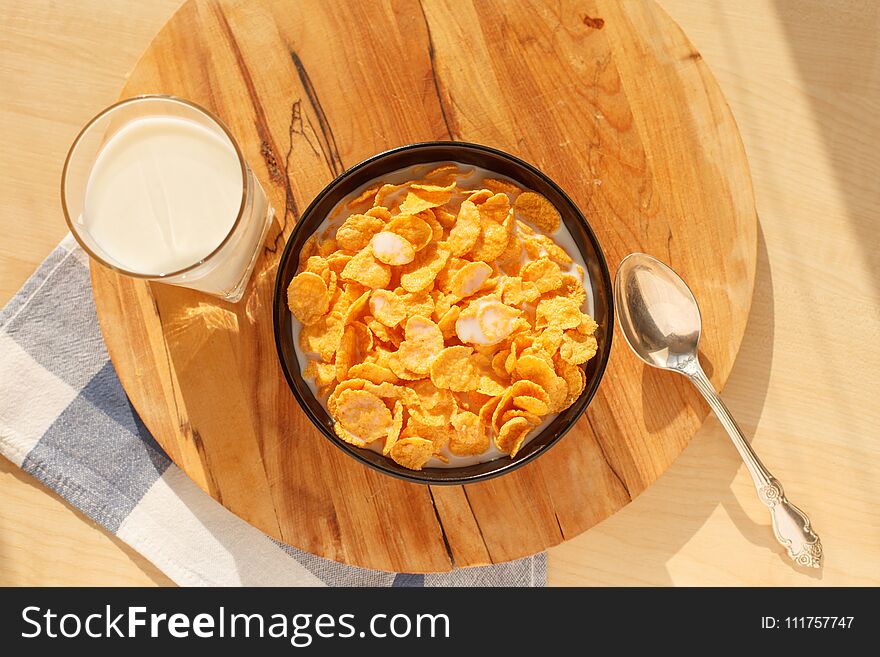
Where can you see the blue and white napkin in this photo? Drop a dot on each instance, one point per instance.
(65, 419)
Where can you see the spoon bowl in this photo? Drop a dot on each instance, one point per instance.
(657, 311)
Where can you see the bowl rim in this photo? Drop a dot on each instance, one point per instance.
(280, 295)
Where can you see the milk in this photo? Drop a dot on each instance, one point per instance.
(163, 193)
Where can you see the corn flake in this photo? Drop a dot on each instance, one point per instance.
(355, 233)
(372, 372)
(363, 414)
(421, 272)
(544, 273)
(412, 453)
(469, 279)
(469, 437)
(425, 197)
(392, 248)
(531, 404)
(307, 297)
(577, 348)
(396, 425)
(324, 374)
(559, 312)
(466, 230)
(422, 344)
(414, 230)
(538, 211)
(454, 370)
(363, 268)
(387, 307)
(511, 435)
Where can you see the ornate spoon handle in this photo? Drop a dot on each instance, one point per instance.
(790, 525)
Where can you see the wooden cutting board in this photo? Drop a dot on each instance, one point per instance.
(610, 99)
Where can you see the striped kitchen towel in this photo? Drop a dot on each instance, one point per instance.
(65, 419)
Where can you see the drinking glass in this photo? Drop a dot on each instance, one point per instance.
(225, 269)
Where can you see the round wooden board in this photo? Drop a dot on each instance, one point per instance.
(610, 99)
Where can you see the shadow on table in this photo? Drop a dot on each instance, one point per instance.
(751, 370)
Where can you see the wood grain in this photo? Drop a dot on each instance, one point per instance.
(625, 117)
(794, 73)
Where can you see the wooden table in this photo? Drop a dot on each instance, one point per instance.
(803, 80)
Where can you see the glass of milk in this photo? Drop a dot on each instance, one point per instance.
(156, 188)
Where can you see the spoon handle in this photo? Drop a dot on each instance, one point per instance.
(790, 525)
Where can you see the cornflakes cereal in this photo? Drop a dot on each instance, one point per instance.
(422, 271)
(513, 432)
(357, 230)
(544, 273)
(439, 435)
(496, 208)
(575, 380)
(392, 249)
(346, 354)
(422, 344)
(349, 437)
(491, 242)
(323, 336)
(366, 195)
(559, 312)
(323, 373)
(425, 197)
(538, 211)
(396, 426)
(363, 414)
(372, 372)
(397, 366)
(414, 230)
(469, 437)
(440, 318)
(497, 186)
(537, 370)
(588, 326)
(357, 308)
(469, 279)
(491, 384)
(549, 340)
(412, 453)
(307, 297)
(447, 322)
(436, 227)
(466, 229)
(531, 404)
(417, 303)
(387, 307)
(387, 390)
(337, 261)
(496, 320)
(443, 171)
(438, 415)
(453, 369)
(573, 289)
(479, 196)
(363, 268)
(379, 211)
(577, 348)
(384, 192)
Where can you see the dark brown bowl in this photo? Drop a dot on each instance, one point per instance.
(493, 160)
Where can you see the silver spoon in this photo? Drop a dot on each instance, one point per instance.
(661, 323)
